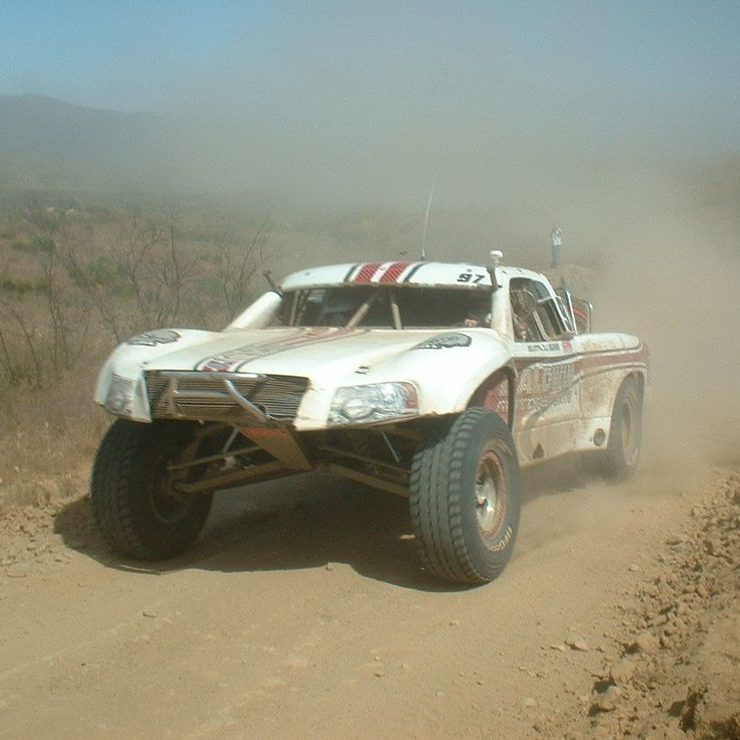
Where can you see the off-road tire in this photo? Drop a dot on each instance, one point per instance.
(460, 539)
(622, 455)
(131, 495)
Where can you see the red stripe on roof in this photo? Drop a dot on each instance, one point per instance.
(394, 272)
(366, 273)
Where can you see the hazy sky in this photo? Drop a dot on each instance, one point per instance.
(429, 87)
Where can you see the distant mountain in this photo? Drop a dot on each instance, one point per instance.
(50, 143)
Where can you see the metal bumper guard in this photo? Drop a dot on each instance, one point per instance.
(222, 396)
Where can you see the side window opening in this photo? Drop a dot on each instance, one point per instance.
(523, 314)
(534, 312)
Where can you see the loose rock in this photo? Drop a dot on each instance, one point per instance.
(623, 671)
(608, 699)
(18, 570)
(645, 643)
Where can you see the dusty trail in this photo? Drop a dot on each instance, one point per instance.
(303, 613)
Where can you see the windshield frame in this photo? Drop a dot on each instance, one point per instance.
(297, 301)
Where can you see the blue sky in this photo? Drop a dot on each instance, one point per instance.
(143, 55)
(415, 80)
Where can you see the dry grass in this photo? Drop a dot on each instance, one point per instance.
(48, 441)
(101, 276)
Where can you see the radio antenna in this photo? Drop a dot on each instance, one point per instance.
(426, 221)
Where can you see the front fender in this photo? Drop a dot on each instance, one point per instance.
(447, 369)
(448, 387)
(123, 371)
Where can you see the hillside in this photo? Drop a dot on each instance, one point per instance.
(48, 143)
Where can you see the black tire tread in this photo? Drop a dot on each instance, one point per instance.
(118, 477)
(613, 465)
(436, 516)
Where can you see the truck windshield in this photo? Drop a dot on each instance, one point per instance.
(384, 307)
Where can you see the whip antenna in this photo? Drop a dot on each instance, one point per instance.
(426, 221)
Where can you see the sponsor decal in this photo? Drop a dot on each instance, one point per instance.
(543, 346)
(539, 379)
(546, 387)
(445, 341)
(503, 543)
(153, 338)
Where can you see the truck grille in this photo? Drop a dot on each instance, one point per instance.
(190, 395)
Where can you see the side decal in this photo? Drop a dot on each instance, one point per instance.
(445, 341)
(153, 338)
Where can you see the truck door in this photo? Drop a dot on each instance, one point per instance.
(547, 405)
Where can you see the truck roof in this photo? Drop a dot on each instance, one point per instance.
(427, 274)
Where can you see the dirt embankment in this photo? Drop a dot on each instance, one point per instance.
(679, 671)
(307, 614)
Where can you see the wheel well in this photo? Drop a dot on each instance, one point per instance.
(484, 396)
(639, 378)
(640, 382)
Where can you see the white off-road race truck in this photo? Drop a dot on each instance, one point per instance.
(430, 380)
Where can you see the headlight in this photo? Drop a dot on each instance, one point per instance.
(120, 398)
(366, 403)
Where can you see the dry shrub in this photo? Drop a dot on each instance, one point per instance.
(101, 277)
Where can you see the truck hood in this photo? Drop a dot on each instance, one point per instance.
(316, 353)
(330, 358)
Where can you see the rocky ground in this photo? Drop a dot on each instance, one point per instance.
(676, 672)
(617, 617)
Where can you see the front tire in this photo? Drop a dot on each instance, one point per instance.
(464, 498)
(134, 500)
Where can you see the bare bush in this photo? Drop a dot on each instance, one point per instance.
(81, 282)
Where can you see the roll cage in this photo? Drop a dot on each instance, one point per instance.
(388, 307)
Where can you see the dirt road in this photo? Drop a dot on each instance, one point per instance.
(304, 612)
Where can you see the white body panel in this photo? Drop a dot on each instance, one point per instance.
(564, 389)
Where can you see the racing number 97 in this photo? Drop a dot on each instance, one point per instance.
(469, 277)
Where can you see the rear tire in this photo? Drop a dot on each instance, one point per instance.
(464, 498)
(622, 456)
(135, 504)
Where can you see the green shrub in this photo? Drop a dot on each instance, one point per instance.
(22, 287)
(103, 272)
(42, 244)
(38, 244)
(20, 375)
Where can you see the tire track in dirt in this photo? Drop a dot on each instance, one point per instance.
(304, 612)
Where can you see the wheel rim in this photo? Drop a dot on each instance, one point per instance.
(167, 505)
(490, 495)
(630, 430)
(165, 502)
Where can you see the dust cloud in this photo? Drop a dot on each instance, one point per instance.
(338, 118)
(670, 274)
(658, 236)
